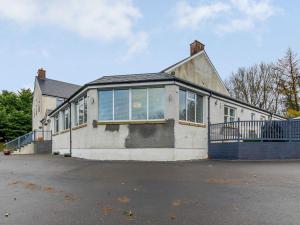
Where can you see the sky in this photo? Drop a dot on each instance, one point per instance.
(79, 41)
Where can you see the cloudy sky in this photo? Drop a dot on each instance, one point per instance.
(78, 41)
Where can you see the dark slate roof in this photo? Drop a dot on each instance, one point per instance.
(57, 88)
(131, 78)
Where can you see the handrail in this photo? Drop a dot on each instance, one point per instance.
(28, 138)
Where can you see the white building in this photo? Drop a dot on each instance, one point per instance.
(160, 116)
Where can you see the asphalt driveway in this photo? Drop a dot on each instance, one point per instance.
(42, 190)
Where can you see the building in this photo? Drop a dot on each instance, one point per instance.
(47, 95)
(161, 116)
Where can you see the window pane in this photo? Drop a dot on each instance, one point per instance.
(81, 113)
(191, 95)
(139, 104)
(232, 112)
(182, 105)
(225, 110)
(199, 110)
(156, 103)
(191, 110)
(105, 105)
(85, 109)
(121, 104)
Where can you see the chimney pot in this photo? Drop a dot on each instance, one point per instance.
(196, 47)
(41, 73)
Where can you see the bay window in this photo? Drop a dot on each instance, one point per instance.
(190, 106)
(229, 114)
(81, 111)
(131, 104)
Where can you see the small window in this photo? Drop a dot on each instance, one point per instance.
(229, 114)
(81, 111)
(56, 124)
(66, 119)
(262, 118)
(59, 101)
(190, 106)
(252, 116)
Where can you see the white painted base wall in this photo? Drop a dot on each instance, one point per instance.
(153, 154)
(28, 149)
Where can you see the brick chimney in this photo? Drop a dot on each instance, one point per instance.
(41, 73)
(196, 47)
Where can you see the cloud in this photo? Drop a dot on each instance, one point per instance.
(104, 20)
(138, 44)
(191, 16)
(226, 16)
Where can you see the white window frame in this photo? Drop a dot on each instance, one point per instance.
(81, 102)
(56, 124)
(130, 104)
(229, 117)
(195, 101)
(67, 114)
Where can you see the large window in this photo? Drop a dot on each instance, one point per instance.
(81, 111)
(56, 124)
(131, 104)
(66, 119)
(190, 106)
(229, 114)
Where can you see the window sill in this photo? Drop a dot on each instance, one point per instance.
(64, 131)
(79, 126)
(55, 134)
(131, 122)
(192, 124)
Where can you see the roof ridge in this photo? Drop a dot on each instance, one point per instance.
(58, 81)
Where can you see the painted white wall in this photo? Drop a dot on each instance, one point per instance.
(191, 142)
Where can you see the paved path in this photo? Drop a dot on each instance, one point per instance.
(51, 190)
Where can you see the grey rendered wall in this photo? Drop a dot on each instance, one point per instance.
(255, 150)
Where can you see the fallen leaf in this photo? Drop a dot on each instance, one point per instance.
(106, 210)
(124, 199)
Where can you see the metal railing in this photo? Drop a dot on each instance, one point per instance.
(28, 138)
(242, 131)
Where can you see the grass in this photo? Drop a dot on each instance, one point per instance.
(1, 146)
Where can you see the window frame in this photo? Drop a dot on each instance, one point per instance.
(56, 124)
(228, 115)
(82, 101)
(195, 100)
(130, 104)
(66, 115)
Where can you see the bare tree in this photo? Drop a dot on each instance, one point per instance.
(289, 82)
(257, 85)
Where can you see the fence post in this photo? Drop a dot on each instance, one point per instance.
(238, 130)
(290, 129)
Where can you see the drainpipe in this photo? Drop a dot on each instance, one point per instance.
(208, 122)
(70, 127)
